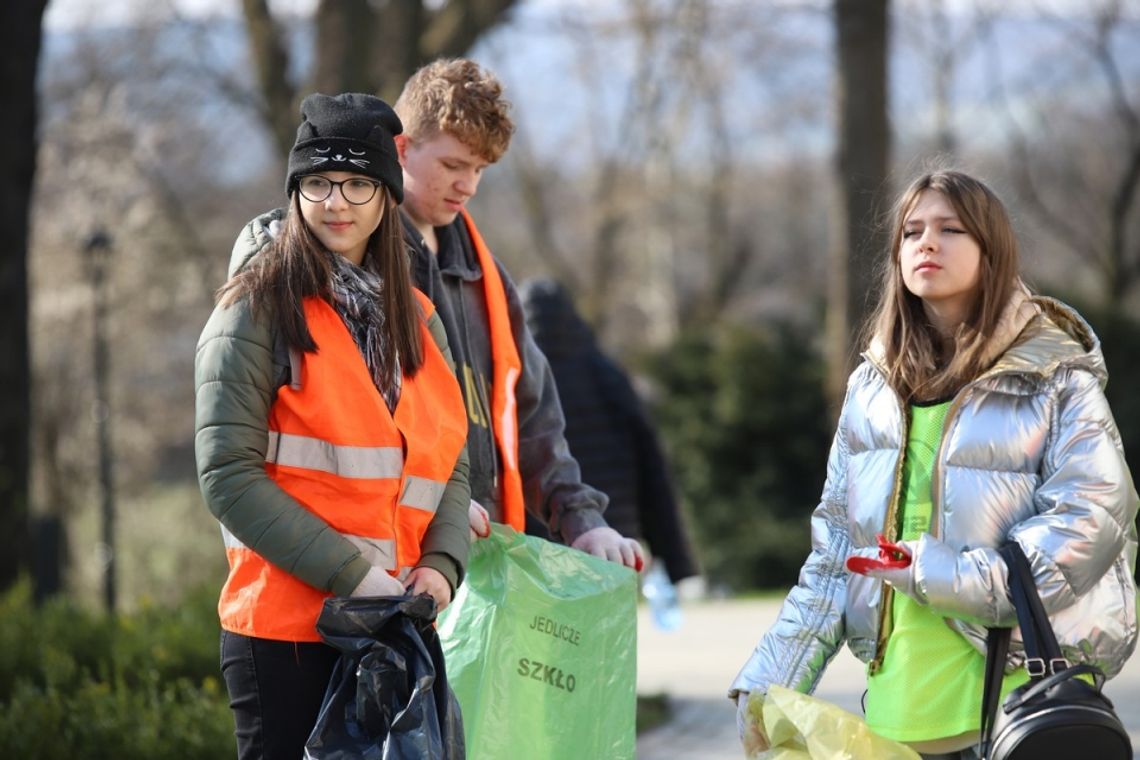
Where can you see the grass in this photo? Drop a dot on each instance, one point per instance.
(166, 543)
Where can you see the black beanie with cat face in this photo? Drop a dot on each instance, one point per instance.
(350, 132)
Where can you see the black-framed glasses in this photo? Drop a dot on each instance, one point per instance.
(357, 190)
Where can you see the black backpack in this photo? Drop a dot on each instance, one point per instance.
(1055, 714)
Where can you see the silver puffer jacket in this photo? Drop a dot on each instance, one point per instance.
(1029, 452)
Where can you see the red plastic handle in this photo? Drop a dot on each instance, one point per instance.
(891, 557)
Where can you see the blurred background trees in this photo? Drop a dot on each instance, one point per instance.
(706, 176)
(355, 46)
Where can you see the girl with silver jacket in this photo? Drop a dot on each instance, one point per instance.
(976, 417)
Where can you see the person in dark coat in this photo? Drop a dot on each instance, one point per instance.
(608, 429)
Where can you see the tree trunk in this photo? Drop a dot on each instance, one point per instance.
(1122, 263)
(345, 30)
(397, 55)
(863, 147)
(21, 29)
(271, 59)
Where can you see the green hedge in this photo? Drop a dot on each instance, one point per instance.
(743, 415)
(80, 684)
(77, 684)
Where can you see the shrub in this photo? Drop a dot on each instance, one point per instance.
(744, 418)
(79, 684)
(99, 719)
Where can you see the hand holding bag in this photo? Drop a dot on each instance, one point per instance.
(1055, 714)
(388, 696)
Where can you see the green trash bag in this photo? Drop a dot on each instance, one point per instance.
(541, 651)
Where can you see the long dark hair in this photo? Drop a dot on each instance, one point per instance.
(295, 266)
(918, 368)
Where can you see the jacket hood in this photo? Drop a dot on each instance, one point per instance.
(551, 317)
(1056, 337)
(1035, 335)
(255, 236)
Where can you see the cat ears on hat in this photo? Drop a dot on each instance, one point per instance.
(350, 115)
(378, 136)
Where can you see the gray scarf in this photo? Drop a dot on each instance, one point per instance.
(357, 294)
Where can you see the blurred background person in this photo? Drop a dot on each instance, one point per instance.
(608, 430)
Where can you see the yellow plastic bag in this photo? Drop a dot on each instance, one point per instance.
(800, 727)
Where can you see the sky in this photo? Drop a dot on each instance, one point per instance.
(65, 14)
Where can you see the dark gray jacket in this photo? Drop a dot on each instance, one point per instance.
(552, 481)
(609, 431)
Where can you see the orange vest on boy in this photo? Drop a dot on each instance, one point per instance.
(374, 476)
(506, 368)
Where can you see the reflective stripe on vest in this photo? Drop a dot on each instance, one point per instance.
(380, 552)
(506, 367)
(422, 493)
(345, 461)
(375, 476)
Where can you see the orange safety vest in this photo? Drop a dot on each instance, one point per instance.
(506, 368)
(374, 476)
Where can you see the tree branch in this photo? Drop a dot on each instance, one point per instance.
(344, 45)
(454, 28)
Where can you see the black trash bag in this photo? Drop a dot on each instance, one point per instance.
(388, 696)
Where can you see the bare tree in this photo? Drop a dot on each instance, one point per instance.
(628, 175)
(1085, 195)
(1120, 264)
(21, 28)
(360, 46)
(942, 39)
(861, 165)
(664, 224)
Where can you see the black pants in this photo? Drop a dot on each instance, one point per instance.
(276, 688)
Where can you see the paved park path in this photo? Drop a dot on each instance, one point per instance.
(695, 664)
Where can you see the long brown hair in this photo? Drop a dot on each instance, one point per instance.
(919, 366)
(296, 266)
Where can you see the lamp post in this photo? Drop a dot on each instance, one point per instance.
(98, 250)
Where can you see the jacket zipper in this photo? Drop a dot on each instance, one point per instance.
(890, 530)
(480, 400)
